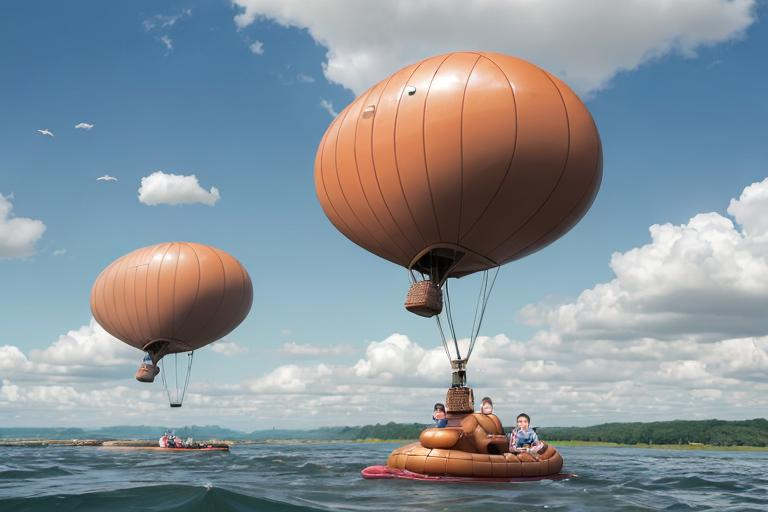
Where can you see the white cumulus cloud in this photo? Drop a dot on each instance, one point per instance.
(18, 235)
(304, 78)
(308, 350)
(228, 348)
(173, 189)
(161, 24)
(167, 41)
(257, 48)
(90, 345)
(328, 107)
(706, 280)
(292, 379)
(679, 332)
(162, 21)
(586, 43)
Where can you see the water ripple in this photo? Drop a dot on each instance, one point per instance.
(326, 477)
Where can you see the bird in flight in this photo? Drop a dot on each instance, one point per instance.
(106, 177)
(45, 133)
(83, 126)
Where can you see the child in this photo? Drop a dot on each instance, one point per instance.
(486, 406)
(523, 436)
(438, 415)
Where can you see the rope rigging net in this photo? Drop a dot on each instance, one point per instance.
(487, 282)
(176, 396)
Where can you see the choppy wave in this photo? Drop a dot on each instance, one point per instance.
(28, 473)
(326, 477)
(157, 498)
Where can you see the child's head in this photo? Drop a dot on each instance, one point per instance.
(523, 421)
(439, 411)
(486, 406)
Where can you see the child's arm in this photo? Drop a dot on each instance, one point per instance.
(535, 441)
(513, 440)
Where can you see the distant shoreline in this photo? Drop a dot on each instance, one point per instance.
(678, 434)
(31, 443)
(686, 447)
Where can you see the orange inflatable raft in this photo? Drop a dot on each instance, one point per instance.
(473, 447)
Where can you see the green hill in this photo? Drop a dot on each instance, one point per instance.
(713, 432)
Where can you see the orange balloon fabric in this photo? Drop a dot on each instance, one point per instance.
(181, 293)
(479, 153)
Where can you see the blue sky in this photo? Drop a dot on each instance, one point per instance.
(683, 133)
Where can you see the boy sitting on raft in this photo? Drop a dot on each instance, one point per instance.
(438, 416)
(523, 437)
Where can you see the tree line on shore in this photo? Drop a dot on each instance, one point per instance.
(711, 432)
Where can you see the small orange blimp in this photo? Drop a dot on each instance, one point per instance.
(171, 298)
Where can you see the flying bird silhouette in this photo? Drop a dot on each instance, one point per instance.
(83, 126)
(106, 177)
(45, 133)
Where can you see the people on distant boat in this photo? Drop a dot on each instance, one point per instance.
(523, 436)
(486, 406)
(163, 442)
(438, 416)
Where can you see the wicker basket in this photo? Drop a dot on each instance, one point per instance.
(147, 372)
(459, 400)
(424, 299)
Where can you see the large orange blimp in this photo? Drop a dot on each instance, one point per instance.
(171, 298)
(460, 163)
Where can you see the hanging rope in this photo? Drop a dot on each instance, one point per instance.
(189, 373)
(165, 384)
(480, 295)
(175, 398)
(486, 290)
(449, 317)
(442, 335)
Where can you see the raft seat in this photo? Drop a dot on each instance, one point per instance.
(473, 448)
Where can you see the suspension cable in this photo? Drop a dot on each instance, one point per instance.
(165, 384)
(487, 296)
(449, 317)
(442, 335)
(173, 396)
(480, 295)
(189, 373)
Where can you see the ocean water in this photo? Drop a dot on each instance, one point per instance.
(299, 477)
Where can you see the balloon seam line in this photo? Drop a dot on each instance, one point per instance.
(403, 253)
(562, 171)
(394, 150)
(376, 174)
(461, 149)
(511, 157)
(338, 179)
(424, 144)
(197, 289)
